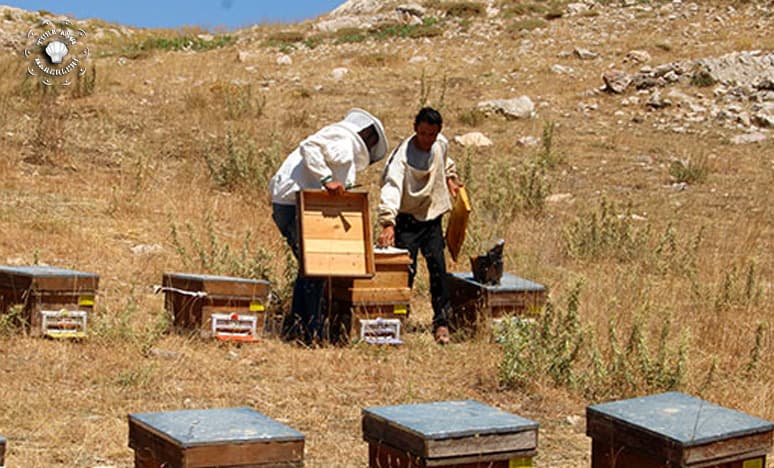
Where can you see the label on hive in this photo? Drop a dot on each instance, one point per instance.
(522, 462)
(86, 300)
(400, 309)
(234, 327)
(63, 323)
(757, 463)
(256, 307)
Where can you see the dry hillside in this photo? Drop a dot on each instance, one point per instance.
(625, 154)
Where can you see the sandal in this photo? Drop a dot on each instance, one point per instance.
(442, 335)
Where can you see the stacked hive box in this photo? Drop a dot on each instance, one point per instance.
(673, 429)
(192, 300)
(42, 288)
(386, 295)
(232, 437)
(457, 434)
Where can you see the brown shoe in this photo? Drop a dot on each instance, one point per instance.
(442, 335)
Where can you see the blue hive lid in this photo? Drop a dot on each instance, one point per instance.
(687, 420)
(45, 271)
(451, 419)
(189, 428)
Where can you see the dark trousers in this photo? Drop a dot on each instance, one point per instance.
(426, 237)
(305, 320)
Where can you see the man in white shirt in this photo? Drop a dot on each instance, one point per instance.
(416, 187)
(328, 159)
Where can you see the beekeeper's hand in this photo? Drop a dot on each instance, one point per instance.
(334, 187)
(387, 237)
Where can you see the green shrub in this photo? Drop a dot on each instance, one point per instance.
(526, 25)
(177, 42)
(237, 164)
(350, 35)
(603, 234)
(548, 156)
(85, 84)
(556, 349)
(471, 117)
(690, 171)
(702, 78)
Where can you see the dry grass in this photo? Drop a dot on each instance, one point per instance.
(130, 160)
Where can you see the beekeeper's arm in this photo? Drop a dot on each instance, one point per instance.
(330, 146)
(389, 201)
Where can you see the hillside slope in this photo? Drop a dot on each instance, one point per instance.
(635, 182)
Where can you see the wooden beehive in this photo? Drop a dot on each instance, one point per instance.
(230, 437)
(191, 299)
(335, 237)
(474, 305)
(2, 451)
(40, 288)
(385, 295)
(448, 434)
(674, 429)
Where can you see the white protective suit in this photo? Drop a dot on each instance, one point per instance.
(336, 152)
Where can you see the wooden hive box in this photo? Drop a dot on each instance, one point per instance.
(41, 288)
(192, 299)
(475, 304)
(2, 450)
(231, 437)
(385, 295)
(448, 434)
(335, 237)
(676, 430)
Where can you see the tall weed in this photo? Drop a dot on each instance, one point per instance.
(237, 163)
(558, 350)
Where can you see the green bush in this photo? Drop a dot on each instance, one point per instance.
(690, 171)
(603, 234)
(526, 25)
(556, 349)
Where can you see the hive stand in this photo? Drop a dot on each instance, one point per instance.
(458, 434)
(474, 305)
(386, 295)
(40, 288)
(676, 430)
(231, 437)
(192, 299)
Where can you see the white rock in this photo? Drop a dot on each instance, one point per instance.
(562, 70)
(284, 59)
(638, 56)
(339, 73)
(585, 54)
(521, 107)
(528, 141)
(558, 197)
(141, 249)
(477, 139)
(754, 137)
(412, 9)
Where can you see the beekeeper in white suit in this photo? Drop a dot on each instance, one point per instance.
(328, 159)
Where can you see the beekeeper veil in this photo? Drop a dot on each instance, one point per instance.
(361, 120)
